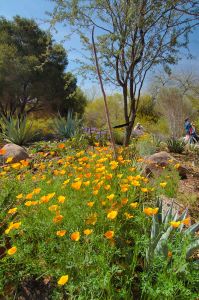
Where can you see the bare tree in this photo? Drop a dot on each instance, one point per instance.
(133, 36)
(175, 107)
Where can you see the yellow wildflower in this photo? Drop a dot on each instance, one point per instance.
(151, 211)
(66, 181)
(61, 233)
(76, 185)
(53, 207)
(12, 211)
(128, 216)
(88, 231)
(110, 197)
(90, 204)
(12, 250)
(61, 199)
(134, 205)
(9, 159)
(163, 184)
(63, 280)
(175, 224)
(36, 191)
(112, 215)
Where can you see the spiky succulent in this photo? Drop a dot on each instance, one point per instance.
(161, 230)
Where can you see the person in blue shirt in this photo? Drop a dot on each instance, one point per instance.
(190, 131)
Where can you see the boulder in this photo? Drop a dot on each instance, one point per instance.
(137, 133)
(155, 163)
(16, 152)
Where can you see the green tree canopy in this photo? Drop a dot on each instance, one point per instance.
(32, 71)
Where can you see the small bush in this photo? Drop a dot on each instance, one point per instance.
(175, 145)
(118, 136)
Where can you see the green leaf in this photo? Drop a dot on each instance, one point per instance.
(192, 229)
(192, 248)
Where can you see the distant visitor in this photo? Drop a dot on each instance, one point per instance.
(191, 135)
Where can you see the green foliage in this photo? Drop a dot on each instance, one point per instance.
(32, 71)
(175, 145)
(147, 109)
(16, 130)
(95, 116)
(118, 136)
(66, 127)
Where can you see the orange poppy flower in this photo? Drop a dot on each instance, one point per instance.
(109, 234)
(61, 146)
(75, 236)
(151, 211)
(186, 221)
(2, 151)
(57, 219)
(76, 185)
(12, 250)
(61, 232)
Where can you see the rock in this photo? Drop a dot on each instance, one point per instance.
(137, 133)
(16, 152)
(156, 162)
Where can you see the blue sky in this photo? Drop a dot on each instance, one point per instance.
(36, 9)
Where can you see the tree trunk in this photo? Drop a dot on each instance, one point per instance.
(128, 131)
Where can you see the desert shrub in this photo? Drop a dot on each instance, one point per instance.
(17, 130)
(146, 144)
(175, 145)
(44, 127)
(118, 136)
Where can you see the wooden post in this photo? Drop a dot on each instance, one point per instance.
(104, 96)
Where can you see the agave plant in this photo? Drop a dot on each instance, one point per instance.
(175, 145)
(66, 127)
(161, 231)
(16, 130)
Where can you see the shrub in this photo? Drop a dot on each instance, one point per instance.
(175, 145)
(118, 136)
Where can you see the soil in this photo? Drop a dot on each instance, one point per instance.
(188, 189)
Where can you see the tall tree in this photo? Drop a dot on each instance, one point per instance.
(32, 70)
(133, 36)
